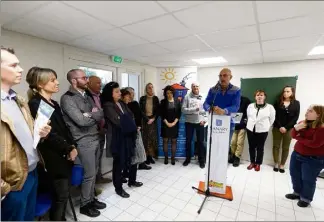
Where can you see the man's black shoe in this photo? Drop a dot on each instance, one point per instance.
(202, 165)
(98, 205)
(236, 161)
(89, 210)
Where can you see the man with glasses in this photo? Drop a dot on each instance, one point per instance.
(82, 117)
(224, 97)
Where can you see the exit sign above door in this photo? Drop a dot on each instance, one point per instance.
(117, 59)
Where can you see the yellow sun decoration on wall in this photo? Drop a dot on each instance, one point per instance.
(168, 75)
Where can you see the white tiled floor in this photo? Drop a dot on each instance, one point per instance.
(167, 195)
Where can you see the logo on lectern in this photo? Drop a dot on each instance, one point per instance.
(219, 122)
(219, 128)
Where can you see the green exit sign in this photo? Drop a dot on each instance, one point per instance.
(116, 59)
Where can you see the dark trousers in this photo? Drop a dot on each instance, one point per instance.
(102, 141)
(20, 205)
(118, 173)
(60, 195)
(304, 171)
(200, 131)
(256, 146)
(130, 172)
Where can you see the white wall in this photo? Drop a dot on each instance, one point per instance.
(309, 89)
(33, 51)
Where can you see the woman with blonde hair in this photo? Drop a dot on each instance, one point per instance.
(149, 105)
(307, 159)
(58, 148)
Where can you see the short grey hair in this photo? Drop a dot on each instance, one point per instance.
(128, 88)
(195, 84)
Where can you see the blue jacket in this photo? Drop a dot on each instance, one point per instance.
(229, 101)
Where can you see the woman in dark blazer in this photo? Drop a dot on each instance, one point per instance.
(121, 128)
(287, 113)
(150, 107)
(58, 149)
(170, 112)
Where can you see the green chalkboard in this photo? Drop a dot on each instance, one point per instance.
(272, 86)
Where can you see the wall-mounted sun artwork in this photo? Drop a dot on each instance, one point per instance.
(168, 74)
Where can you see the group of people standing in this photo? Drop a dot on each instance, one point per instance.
(307, 159)
(257, 119)
(88, 119)
(81, 125)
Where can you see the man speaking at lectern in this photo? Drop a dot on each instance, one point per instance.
(224, 98)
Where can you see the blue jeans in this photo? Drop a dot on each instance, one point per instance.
(304, 171)
(20, 205)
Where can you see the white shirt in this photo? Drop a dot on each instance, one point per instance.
(260, 118)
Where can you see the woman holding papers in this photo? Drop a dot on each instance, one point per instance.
(58, 148)
(287, 113)
(261, 116)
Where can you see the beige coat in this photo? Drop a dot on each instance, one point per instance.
(14, 162)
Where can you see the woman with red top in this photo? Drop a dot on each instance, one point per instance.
(307, 159)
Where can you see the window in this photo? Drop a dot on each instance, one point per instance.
(124, 80)
(131, 80)
(105, 75)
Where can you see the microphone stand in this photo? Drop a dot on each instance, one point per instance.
(207, 192)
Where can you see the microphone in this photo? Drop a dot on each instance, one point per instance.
(212, 105)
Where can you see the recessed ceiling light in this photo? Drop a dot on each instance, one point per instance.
(317, 50)
(213, 60)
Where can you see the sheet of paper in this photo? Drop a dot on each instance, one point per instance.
(237, 117)
(44, 114)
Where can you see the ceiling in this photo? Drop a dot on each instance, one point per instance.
(171, 33)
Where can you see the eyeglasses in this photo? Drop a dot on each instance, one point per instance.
(83, 78)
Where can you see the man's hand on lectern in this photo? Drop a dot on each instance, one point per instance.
(218, 111)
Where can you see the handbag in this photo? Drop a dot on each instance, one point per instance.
(139, 154)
